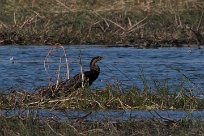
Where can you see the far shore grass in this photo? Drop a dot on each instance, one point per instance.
(142, 23)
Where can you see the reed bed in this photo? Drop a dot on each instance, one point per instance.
(145, 23)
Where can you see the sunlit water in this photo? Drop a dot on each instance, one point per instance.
(121, 66)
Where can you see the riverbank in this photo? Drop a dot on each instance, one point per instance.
(31, 114)
(139, 23)
(110, 98)
(22, 114)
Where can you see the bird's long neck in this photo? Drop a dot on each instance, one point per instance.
(94, 67)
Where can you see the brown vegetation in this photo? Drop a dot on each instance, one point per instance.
(147, 23)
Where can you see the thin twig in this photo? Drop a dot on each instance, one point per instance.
(83, 117)
(82, 72)
(200, 21)
(14, 17)
(167, 119)
(67, 63)
(58, 74)
(139, 22)
(53, 130)
(46, 66)
(116, 24)
(62, 4)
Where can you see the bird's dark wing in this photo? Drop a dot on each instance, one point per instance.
(64, 87)
(72, 83)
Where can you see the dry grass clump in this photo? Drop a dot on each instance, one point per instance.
(109, 98)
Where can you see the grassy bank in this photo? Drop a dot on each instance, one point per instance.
(110, 98)
(29, 126)
(145, 22)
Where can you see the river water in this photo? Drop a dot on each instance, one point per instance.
(22, 67)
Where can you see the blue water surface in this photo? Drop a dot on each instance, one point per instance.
(23, 67)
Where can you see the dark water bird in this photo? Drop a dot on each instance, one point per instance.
(72, 84)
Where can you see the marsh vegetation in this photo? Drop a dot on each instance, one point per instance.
(111, 98)
(145, 23)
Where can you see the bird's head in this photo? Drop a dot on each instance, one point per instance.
(93, 62)
(97, 58)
